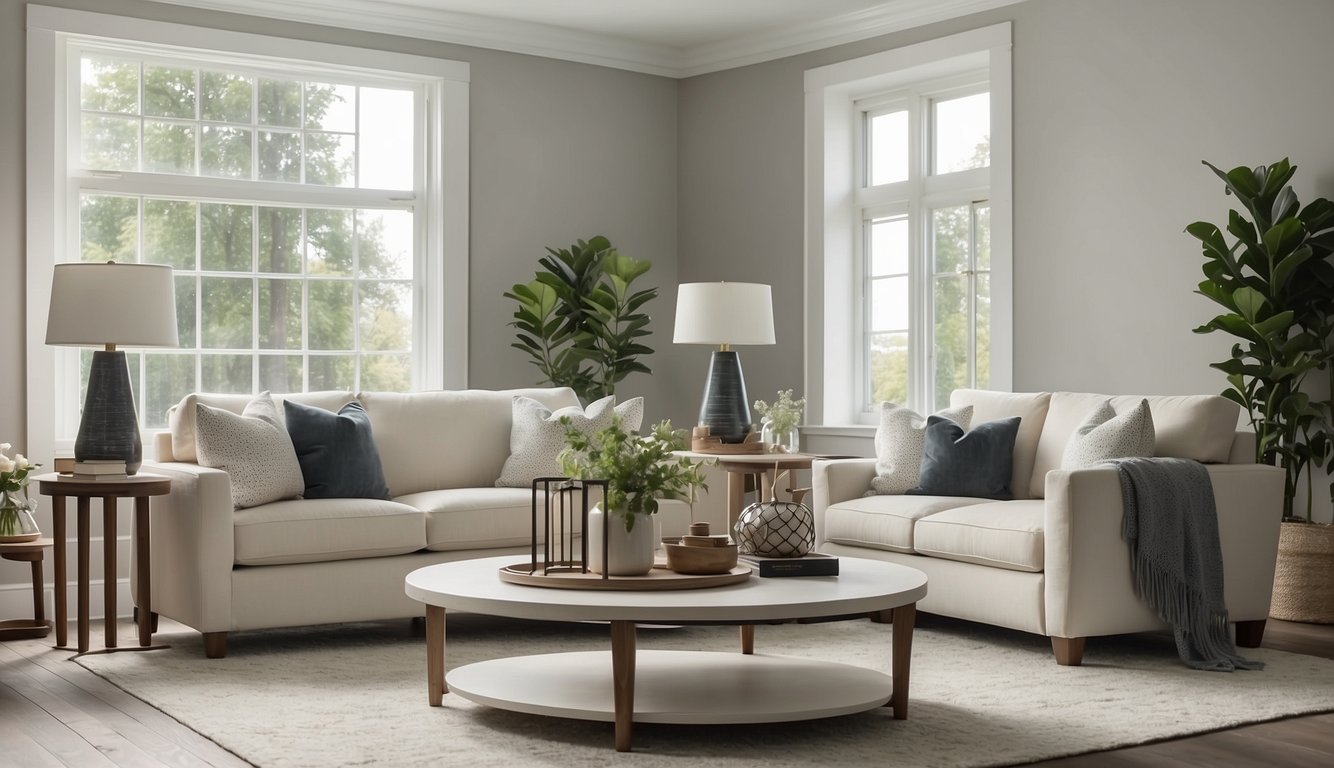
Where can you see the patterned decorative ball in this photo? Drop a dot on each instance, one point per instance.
(775, 529)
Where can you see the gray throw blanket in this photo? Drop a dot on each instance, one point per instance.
(1171, 525)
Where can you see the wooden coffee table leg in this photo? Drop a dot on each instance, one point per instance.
(904, 618)
(435, 654)
(623, 680)
(748, 638)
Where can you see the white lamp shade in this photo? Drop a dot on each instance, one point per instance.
(724, 313)
(96, 303)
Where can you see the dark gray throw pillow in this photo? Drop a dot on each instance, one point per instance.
(976, 463)
(337, 452)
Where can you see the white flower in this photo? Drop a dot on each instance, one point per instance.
(4, 447)
(6, 463)
(22, 461)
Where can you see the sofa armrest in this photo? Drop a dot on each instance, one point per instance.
(193, 546)
(835, 480)
(1088, 586)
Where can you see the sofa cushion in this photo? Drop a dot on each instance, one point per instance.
(898, 445)
(475, 518)
(181, 417)
(1105, 435)
(884, 522)
(447, 439)
(318, 530)
(537, 436)
(1030, 407)
(337, 452)
(998, 534)
(973, 463)
(252, 448)
(1199, 427)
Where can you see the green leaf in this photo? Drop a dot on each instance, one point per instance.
(1249, 302)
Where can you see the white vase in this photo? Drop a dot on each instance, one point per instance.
(629, 553)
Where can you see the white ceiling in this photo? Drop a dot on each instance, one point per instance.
(677, 38)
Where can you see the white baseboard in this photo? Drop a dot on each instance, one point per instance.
(16, 600)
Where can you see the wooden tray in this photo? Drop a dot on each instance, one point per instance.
(657, 579)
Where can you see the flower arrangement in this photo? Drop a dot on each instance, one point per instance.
(784, 414)
(13, 481)
(638, 470)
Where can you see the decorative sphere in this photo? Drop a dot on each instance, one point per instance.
(775, 529)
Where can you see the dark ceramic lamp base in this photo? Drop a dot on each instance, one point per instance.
(725, 409)
(109, 429)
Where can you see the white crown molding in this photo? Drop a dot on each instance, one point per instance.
(388, 17)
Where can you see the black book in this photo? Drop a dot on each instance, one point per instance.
(813, 564)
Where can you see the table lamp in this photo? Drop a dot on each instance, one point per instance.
(724, 314)
(108, 304)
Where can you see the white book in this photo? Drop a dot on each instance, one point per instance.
(99, 467)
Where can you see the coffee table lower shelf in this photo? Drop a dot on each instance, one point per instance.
(681, 687)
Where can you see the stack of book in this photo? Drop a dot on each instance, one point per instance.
(813, 564)
(98, 470)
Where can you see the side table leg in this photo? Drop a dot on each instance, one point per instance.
(736, 497)
(143, 560)
(748, 639)
(84, 505)
(435, 654)
(38, 604)
(904, 618)
(58, 570)
(623, 680)
(109, 568)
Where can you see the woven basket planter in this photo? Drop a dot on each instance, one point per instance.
(1304, 574)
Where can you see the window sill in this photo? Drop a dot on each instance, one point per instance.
(843, 430)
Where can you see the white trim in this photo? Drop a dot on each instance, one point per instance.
(601, 49)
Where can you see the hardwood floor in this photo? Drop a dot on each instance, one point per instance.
(53, 713)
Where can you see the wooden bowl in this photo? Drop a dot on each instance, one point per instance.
(700, 560)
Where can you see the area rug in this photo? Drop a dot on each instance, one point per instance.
(355, 695)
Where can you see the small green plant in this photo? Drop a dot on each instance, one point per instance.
(784, 414)
(13, 490)
(638, 470)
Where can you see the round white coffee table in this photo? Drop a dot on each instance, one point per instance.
(623, 686)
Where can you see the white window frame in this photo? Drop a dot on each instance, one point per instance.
(440, 289)
(835, 202)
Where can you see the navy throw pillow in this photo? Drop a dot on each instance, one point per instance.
(976, 463)
(337, 452)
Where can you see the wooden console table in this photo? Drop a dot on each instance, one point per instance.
(37, 626)
(138, 487)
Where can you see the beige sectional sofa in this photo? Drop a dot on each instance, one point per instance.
(314, 561)
(1052, 561)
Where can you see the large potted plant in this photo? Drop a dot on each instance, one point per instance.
(639, 471)
(579, 320)
(1276, 285)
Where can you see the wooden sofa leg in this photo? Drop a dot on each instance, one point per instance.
(1069, 651)
(1250, 633)
(215, 644)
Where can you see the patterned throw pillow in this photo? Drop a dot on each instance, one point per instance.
(537, 437)
(253, 448)
(1106, 435)
(978, 463)
(898, 446)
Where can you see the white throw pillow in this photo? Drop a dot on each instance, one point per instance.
(537, 436)
(253, 448)
(1106, 435)
(898, 446)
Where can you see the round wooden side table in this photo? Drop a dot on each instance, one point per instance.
(138, 487)
(31, 552)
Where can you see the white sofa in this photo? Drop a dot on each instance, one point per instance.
(1052, 561)
(315, 561)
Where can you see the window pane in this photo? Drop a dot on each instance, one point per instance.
(951, 335)
(225, 314)
(982, 358)
(331, 372)
(225, 152)
(280, 102)
(328, 241)
(889, 246)
(386, 316)
(279, 240)
(169, 92)
(386, 130)
(889, 367)
(331, 107)
(109, 85)
(330, 314)
(330, 159)
(225, 97)
(108, 228)
(169, 378)
(226, 373)
(185, 310)
(280, 373)
(888, 147)
(889, 304)
(109, 143)
(280, 156)
(962, 130)
(225, 237)
(949, 238)
(386, 373)
(169, 147)
(279, 314)
(169, 233)
(384, 244)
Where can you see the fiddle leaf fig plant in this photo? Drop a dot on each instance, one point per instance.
(1276, 286)
(580, 321)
